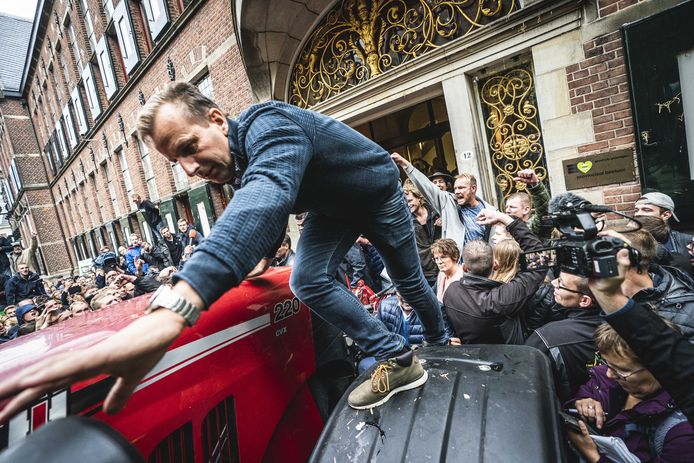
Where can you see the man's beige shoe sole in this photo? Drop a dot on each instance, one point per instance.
(406, 387)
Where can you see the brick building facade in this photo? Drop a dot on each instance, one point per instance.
(93, 64)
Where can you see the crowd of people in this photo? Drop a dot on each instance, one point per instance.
(30, 303)
(631, 379)
(470, 254)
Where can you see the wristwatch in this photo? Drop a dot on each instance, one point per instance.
(167, 298)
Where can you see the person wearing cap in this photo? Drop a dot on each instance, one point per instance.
(658, 204)
(23, 256)
(443, 180)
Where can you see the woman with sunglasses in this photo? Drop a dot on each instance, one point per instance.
(624, 400)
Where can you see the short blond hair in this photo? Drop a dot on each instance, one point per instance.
(467, 176)
(195, 104)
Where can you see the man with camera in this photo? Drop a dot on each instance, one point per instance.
(569, 343)
(667, 290)
(484, 311)
(667, 354)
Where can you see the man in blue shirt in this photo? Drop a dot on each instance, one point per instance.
(281, 159)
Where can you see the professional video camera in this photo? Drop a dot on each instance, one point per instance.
(579, 251)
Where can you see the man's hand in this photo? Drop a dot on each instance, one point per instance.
(399, 160)
(527, 176)
(608, 291)
(260, 268)
(492, 216)
(128, 355)
(123, 279)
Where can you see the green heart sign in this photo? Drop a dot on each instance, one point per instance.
(584, 166)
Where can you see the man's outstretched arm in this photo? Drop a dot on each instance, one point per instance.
(244, 232)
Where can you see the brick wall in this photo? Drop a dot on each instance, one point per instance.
(599, 84)
(607, 7)
(89, 204)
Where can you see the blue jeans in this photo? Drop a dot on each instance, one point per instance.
(324, 243)
(156, 234)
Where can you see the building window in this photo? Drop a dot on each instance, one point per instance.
(90, 88)
(111, 189)
(157, 17)
(8, 192)
(125, 174)
(63, 66)
(77, 105)
(88, 23)
(108, 9)
(70, 126)
(180, 177)
(60, 135)
(205, 86)
(126, 36)
(73, 45)
(147, 169)
(55, 151)
(106, 67)
(14, 175)
(49, 156)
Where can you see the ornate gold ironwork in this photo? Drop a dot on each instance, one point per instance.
(360, 39)
(513, 128)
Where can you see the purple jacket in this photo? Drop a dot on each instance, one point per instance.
(679, 441)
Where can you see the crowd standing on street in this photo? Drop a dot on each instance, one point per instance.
(434, 262)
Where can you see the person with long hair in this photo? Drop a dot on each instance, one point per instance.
(446, 255)
(506, 255)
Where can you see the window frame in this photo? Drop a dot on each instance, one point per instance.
(91, 91)
(105, 63)
(78, 106)
(156, 24)
(126, 38)
(70, 127)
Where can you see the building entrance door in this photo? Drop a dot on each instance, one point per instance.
(512, 128)
(420, 133)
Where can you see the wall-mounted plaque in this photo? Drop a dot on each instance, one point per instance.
(599, 169)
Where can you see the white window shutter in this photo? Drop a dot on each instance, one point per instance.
(79, 110)
(61, 139)
(69, 126)
(157, 17)
(103, 57)
(126, 36)
(90, 88)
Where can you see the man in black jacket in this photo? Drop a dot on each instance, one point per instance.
(484, 311)
(151, 214)
(668, 291)
(569, 343)
(23, 285)
(173, 243)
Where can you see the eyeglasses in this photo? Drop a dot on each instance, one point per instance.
(621, 375)
(557, 284)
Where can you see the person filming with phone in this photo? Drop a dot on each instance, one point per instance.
(624, 400)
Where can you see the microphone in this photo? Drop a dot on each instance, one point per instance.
(569, 200)
(566, 200)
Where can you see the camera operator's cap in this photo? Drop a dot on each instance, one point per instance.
(661, 200)
(16, 243)
(446, 176)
